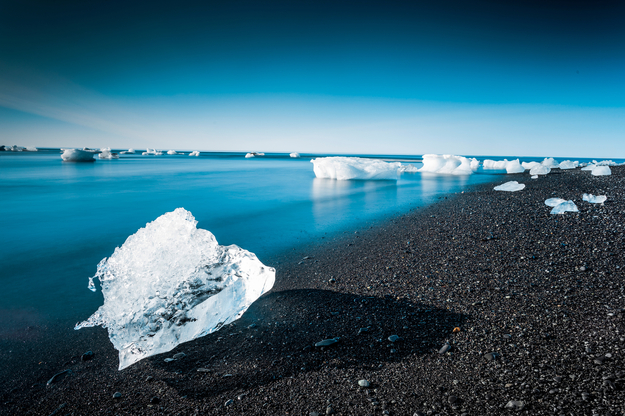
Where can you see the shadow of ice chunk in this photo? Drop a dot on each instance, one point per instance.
(171, 282)
(562, 207)
(511, 186)
(598, 199)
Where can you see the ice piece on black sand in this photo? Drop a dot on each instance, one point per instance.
(594, 199)
(171, 282)
(511, 186)
(566, 206)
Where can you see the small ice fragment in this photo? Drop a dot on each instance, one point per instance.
(129, 151)
(195, 153)
(529, 165)
(294, 154)
(31, 149)
(567, 164)
(172, 152)
(354, 168)
(599, 199)
(550, 162)
(251, 154)
(534, 176)
(171, 282)
(511, 186)
(75, 155)
(449, 164)
(540, 170)
(601, 171)
(552, 202)
(567, 206)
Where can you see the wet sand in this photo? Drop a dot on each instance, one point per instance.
(530, 306)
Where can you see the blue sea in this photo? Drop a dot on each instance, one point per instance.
(59, 219)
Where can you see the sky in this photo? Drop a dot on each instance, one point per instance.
(534, 78)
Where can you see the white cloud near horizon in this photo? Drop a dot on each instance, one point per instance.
(285, 123)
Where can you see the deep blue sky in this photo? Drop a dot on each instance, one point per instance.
(533, 78)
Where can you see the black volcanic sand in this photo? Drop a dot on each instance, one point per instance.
(486, 272)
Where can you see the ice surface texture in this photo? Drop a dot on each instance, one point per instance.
(105, 153)
(540, 170)
(171, 282)
(598, 199)
(567, 164)
(511, 186)
(354, 168)
(449, 164)
(408, 168)
(75, 155)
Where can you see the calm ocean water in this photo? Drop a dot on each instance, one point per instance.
(58, 220)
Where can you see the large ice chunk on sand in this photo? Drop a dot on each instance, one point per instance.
(512, 166)
(568, 164)
(171, 282)
(601, 171)
(75, 155)
(354, 168)
(594, 199)
(449, 164)
(511, 186)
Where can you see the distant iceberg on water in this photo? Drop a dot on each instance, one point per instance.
(75, 155)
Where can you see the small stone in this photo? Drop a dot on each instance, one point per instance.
(452, 399)
(203, 370)
(179, 356)
(515, 405)
(364, 383)
(509, 385)
(329, 410)
(169, 360)
(362, 330)
(241, 396)
(149, 378)
(251, 326)
(327, 342)
(313, 413)
(417, 413)
(117, 395)
(332, 280)
(87, 356)
(58, 376)
(492, 356)
(599, 360)
(155, 400)
(394, 338)
(445, 348)
(228, 402)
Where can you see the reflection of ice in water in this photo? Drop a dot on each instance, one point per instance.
(334, 201)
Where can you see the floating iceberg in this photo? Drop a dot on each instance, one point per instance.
(511, 186)
(194, 153)
(599, 199)
(449, 164)
(294, 154)
(567, 164)
(540, 170)
(75, 155)
(248, 155)
(129, 151)
(31, 149)
(107, 154)
(171, 282)
(408, 168)
(351, 168)
(566, 206)
(512, 166)
(173, 152)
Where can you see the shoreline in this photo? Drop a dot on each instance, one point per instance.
(529, 286)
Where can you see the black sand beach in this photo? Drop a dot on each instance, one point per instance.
(499, 307)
